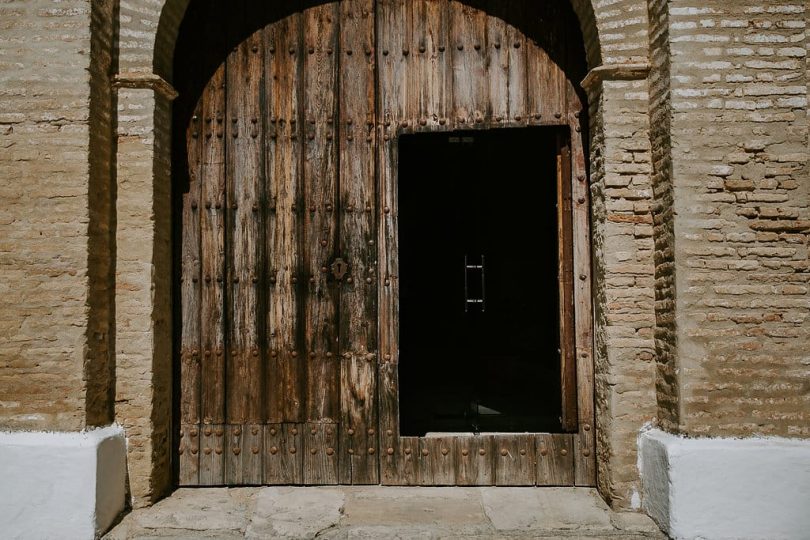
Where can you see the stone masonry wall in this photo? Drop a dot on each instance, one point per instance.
(52, 312)
(739, 180)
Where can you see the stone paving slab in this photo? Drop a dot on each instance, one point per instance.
(375, 512)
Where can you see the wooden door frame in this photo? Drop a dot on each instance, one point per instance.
(398, 463)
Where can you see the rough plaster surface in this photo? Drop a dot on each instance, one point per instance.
(726, 488)
(61, 485)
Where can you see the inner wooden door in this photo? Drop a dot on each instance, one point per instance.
(289, 286)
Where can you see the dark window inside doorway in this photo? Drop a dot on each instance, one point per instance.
(479, 292)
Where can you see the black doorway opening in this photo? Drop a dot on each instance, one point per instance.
(479, 292)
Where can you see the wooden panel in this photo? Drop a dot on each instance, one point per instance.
(429, 80)
(283, 463)
(320, 191)
(437, 461)
(358, 302)
(397, 464)
(474, 461)
(212, 248)
(565, 257)
(546, 80)
(212, 462)
(189, 454)
(498, 67)
(555, 459)
(469, 64)
(285, 373)
(244, 185)
(243, 454)
(515, 43)
(514, 460)
(190, 298)
(392, 70)
(321, 453)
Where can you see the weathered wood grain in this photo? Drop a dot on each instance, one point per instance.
(428, 63)
(212, 448)
(469, 64)
(320, 171)
(555, 459)
(212, 252)
(321, 452)
(565, 277)
(244, 184)
(474, 460)
(283, 458)
(514, 460)
(437, 461)
(189, 455)
(515, 44)
(398, 468)
(585, 447)
(358, 302)
(190, 297)
(497, 67)
(285, 372)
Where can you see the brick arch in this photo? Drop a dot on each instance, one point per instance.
(616, 40)
(154, 32)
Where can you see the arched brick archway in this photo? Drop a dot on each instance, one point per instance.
(616, 39)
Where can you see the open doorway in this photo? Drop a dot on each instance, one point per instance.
(480, 281)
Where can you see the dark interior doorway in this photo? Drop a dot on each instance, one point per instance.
(479, 304)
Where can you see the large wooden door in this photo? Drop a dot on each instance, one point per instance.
(289, 262)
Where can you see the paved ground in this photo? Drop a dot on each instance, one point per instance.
(383, 512)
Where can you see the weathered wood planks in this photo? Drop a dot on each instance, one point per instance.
(320, 183)
(358, 302)
(288, 374)
(285, 373)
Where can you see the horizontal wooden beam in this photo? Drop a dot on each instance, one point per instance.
(148, 81)
(615, 72)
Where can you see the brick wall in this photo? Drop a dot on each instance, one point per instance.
(623, 261)
(738, 176)
(53, 312)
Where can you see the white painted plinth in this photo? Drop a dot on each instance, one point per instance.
(61, 485)
(755, 488)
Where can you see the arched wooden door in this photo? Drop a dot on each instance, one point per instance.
(289, 292)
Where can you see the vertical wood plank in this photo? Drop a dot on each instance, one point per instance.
(474, 461)
(515, 44)
(212, 463)
(469, 64)
(498, 65)
(429, 81)
(358, 301)
(189, 454)
(565, 256)
(285, 373)
(244, 184)
(190, 293)
(391, 108)
(546, 79)
(555, 459)
(212, 304)
(321, 453)
(437, 461)
(515, 460)
(320, 61)
(283, 463)
(585, 447)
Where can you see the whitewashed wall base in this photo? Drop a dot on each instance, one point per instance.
(61, 485)
(754, 488)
